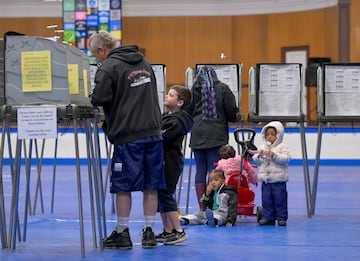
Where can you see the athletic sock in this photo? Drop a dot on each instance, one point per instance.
(149, 221)
(122, 223)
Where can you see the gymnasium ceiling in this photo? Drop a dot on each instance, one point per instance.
(40, 8)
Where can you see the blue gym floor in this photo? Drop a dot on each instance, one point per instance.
(333, 233)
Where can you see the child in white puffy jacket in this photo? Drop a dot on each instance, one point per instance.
(272, 160)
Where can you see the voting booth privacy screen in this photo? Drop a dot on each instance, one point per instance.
(41, 71)
(341, 89)
(278, 90)
(2, 72)
(160, 75)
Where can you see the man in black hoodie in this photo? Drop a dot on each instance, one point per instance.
(125, 86)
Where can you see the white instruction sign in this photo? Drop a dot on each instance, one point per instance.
(37, 122)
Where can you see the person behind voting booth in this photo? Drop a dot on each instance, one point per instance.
(272, 159)
(176, 124)
(125, 87)
(212, 108)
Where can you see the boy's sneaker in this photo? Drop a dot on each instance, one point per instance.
(118, 240)
(163, 236)
(282, 223)
(176, 237)
(211, 221)
(265, 222)
(148, 238)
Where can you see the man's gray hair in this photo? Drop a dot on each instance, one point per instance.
(103, 38)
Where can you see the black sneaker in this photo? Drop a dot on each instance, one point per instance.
(163, 236)
(118, 240)
(184, 221)
(282, 223)
(264, 222)
(148, 238)
(176, 237)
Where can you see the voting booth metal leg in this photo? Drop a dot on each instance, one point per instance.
(305, 167)
(93, 144)
(54, 176)
(13, 172)
(316, 168)
(3, 231)
(100, 185)
(189, 183)
(14, 225)
(182, 174)
(89, 147)
(107, 176)
(109, 148)
(38, 189)
(77, 157)
(28, 158)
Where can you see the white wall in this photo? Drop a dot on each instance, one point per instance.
(337, 144)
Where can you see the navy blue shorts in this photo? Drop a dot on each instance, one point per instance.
(137, 166)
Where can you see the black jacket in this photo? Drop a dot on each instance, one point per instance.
(212, 133)
(125, 86)
(175, 127)
(232, 203)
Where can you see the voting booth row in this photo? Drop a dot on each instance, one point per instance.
(275, 93)
(44, 84)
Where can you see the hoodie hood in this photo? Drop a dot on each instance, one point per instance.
(129, 54)
(185, 119)
(279, 131)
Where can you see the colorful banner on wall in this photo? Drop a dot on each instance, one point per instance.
(82, 18)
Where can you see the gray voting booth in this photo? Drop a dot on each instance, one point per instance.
(42, 74)
(38, 71)
(2, 72)
(275, 94)
(338, 99)
(160, 75)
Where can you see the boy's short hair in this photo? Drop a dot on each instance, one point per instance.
(218, 172)
(227, 151)
(184, 94)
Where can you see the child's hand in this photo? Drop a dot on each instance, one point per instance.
(261, 152)
(209, 188)
(228, 224)
(270, 154)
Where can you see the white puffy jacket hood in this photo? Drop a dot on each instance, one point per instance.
(275, 169)
(279, 132)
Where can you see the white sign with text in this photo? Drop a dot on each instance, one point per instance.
(37, 122)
